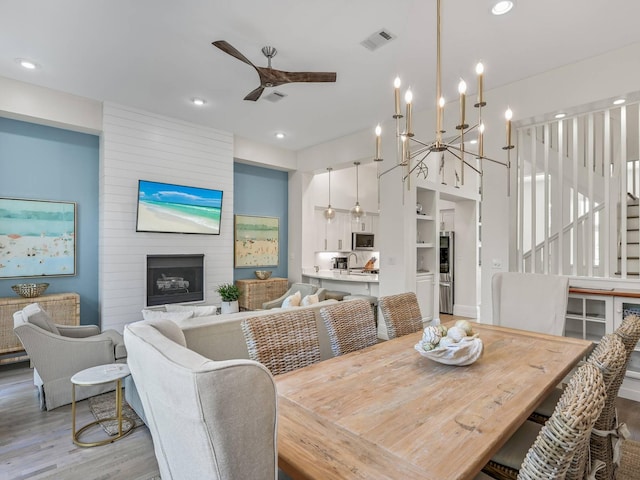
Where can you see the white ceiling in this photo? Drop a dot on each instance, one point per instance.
(157, 54)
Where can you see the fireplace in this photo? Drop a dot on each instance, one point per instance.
(174, 279)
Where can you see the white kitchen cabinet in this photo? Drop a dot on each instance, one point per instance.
(339, 233)
(425, 294)
(589, 317)
(320, 231)
(336, 236)
(365, 224)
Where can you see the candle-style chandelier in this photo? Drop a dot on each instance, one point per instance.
(413, 159)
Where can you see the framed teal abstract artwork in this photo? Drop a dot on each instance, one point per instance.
(37, 238)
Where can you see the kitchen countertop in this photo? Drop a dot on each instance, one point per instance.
(342, 277)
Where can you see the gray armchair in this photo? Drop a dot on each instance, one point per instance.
(304, 289)
(57, 352)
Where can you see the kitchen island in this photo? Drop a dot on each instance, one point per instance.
(354, 282)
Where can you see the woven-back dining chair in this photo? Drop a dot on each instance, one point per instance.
(610, 357)
(351, 326)
(607, 432)
(565, 434)
(569, 426)
(401, 314)
(283, 341)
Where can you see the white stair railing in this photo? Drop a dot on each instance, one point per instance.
(570, 178)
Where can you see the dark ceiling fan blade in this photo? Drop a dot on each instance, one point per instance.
(292, 77)
(270, 77)
(227, 48)
(255, 95)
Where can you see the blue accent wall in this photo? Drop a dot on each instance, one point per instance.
(263, 192)
(46, 163)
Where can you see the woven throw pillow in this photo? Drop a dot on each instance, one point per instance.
(37, 316)
(292, 300)
(309, 300)
(198, 310)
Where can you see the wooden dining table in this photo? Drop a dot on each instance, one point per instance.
(386, 412)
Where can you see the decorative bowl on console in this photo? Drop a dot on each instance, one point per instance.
(262, 274)
(30, 290)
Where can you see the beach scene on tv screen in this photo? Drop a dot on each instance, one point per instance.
(170, 208)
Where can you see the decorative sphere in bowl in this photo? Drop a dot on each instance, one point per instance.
(30, 290)
(464, 352)
(262, 274)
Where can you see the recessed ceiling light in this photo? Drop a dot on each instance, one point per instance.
(280, 135)
(560, 115)
(28, 64)
(502, 6)
(198, 101)
(619, 101)
(473, 142)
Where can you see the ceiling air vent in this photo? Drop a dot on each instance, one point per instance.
(275, 96)
(377, 39)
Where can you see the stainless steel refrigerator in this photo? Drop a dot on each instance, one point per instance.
(446, 272)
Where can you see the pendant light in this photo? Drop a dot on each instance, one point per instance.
(329, 213)
(357, 212)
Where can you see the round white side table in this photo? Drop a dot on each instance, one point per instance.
(113, 372)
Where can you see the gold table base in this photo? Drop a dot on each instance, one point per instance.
(119, 418)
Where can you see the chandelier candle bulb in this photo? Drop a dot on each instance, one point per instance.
(396, 87)
(508, 115)
(441, 115)
(481, 140)
(378, 143)
(408, 97)
(480, 72)
(462, 89)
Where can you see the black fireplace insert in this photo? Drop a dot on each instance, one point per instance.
(175, 279)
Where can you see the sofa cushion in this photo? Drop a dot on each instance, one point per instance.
(292, 300)
(309, 300)
(160, 315)
(198, 310)
(37, 316)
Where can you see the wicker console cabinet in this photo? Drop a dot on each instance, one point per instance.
(64, 308)
(255, 292)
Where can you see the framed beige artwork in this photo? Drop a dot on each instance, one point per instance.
(256, 241)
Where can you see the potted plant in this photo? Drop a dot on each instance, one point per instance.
(229, 293)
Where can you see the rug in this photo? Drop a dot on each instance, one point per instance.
(104, 406)
(630, 461)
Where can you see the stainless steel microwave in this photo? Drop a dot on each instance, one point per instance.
(362, 241)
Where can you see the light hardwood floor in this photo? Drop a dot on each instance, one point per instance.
(37, 445)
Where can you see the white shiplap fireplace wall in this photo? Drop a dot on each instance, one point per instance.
(139, 145)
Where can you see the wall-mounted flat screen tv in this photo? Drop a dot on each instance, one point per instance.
(169, 208)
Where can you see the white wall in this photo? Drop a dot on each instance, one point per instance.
(140, 145)
(30, 103)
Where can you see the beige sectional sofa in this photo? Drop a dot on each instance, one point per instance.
(220, 337)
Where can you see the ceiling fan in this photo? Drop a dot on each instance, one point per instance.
(270, 77)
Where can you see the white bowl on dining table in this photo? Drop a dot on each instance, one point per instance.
(462, 353)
